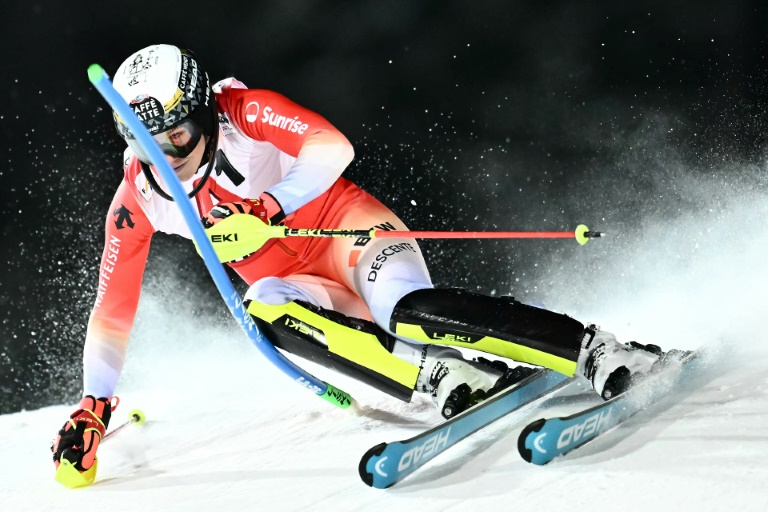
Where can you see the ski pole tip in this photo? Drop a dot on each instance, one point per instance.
(137, 417)
(583, 234)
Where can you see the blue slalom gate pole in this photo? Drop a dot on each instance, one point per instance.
(100, 80)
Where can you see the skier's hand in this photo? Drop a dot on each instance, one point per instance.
(266, 208)
(80, 436)
(223, 210)
(240, 236)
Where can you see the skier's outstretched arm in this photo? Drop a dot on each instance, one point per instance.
(126, 246)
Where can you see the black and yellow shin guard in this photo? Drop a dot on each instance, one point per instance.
(354, 347)
(495, 325)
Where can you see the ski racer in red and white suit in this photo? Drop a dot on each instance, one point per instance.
(364, 307)
(297, 162)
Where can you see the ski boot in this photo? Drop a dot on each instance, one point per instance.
(612, 367)
(456, 384)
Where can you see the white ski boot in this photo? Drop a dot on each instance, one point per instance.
(612, 366)
(456, 384)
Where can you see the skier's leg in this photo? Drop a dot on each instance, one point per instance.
(304, 315)
(382, 271)
(497, 325)
(505, 327)
(392, 277)
(453, 382)
(403, 302)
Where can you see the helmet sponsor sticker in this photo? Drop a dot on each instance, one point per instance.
(188, 76)
(252, 112)
(147, 108)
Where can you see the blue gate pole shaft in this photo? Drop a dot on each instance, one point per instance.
(100, 80)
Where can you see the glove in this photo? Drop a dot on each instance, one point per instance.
(79, 438)
(266, 208)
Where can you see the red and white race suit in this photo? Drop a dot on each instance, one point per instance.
(273, 145)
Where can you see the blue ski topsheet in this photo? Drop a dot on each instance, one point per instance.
(385, 464)
(544, 439)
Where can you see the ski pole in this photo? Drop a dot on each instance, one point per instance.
(581, 234)
(135, 417)
(241, 234)
(101, 82)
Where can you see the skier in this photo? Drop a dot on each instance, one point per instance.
(363, 307)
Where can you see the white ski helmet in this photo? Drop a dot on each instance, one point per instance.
(171, 94)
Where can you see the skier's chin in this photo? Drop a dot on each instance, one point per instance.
(185, 170)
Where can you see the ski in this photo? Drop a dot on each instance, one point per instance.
(387, 463)
(544, 439)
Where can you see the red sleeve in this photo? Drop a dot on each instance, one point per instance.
(268, 116)
(322, 152)
(126, 246)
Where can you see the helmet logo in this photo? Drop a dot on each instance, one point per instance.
(252, 112)
(147, 108)
(145, 80)
(188, 76)
(139, 66)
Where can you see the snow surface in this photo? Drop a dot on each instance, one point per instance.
(226, 431)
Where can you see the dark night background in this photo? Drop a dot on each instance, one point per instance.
(464, 115)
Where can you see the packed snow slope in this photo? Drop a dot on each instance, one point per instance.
(226, 431)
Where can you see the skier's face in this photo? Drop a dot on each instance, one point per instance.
(186, 167)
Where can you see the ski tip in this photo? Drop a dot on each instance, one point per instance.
(69, 477)
(525, 452)
(365, 475)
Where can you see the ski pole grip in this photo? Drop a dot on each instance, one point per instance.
(337, 397)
